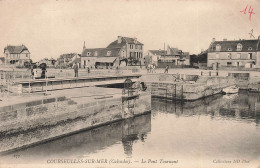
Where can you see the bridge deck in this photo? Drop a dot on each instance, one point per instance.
(65, 83)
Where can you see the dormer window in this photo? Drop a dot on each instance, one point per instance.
(239, 47)
(229, 49)
(108, 53)
(95, 53)
(218, 47)
(250, 48)
(88, 53)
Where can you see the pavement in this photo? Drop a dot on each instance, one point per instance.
(88, 93)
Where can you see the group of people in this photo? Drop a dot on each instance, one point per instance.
(151, 68)
(76, 70)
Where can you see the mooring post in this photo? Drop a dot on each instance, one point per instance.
(182, 92)
(46, 83)
(166, 91)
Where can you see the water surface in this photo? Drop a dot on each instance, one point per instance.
(220, 128)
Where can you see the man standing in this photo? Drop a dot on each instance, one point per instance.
(166, 69)
(76, 70)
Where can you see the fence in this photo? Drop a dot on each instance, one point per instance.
(209, 73)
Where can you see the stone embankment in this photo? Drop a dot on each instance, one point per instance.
(41, 118)
(185, 87)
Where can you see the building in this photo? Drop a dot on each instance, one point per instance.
(121, 52)
(67, 60)
(234, 53)
(49, 62)
(171, 57)
(17, 55)
(153, 56)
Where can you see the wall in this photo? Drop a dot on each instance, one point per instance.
(202, 87)
(32, 122)
(223, 58)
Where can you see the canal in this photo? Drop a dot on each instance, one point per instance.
(210, 131)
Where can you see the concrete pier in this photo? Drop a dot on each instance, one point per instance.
(41, 118)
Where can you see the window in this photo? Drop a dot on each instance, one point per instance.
(26, 55)
(217, 55)
(95, 53)
(141, 47)
(136, 46)
(229, 56)
(239, 47)
(108, 53)
(249, 56)
(6, 55)
(229, 49)
(229, 63)
(238, 64)
(131, 46)
(88, 53)
(250, 48)
(238, 55)
(218, 47)
(141, 55)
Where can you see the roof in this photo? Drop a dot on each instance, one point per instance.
(15, 49)
(174, 51)
(157, 52)
(101, 52)
(2, 59)
(125, 40)
(229, 46)
(77, 60)
(106, 59)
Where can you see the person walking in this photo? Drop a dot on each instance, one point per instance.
(76, 69)
(166, 69)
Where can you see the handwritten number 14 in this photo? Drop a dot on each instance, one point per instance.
(250, 11)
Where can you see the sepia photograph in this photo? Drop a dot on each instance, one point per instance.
(130, 83)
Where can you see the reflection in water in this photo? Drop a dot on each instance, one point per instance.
(244, 105)
(217, 127)
(92, 141)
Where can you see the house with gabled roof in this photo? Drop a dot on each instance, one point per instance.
(121, 52)
(18, 55)
(234, 53)
(172, 57)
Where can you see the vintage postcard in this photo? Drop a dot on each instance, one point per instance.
(130, 83)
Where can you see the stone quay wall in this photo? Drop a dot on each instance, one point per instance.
(45, 119)
(200, 87)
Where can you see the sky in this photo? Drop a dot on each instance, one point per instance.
(50, 28)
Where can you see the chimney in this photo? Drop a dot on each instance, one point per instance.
(224, 39)
(84, 47)
(119, 39)
(135, 40)
(213, 39)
